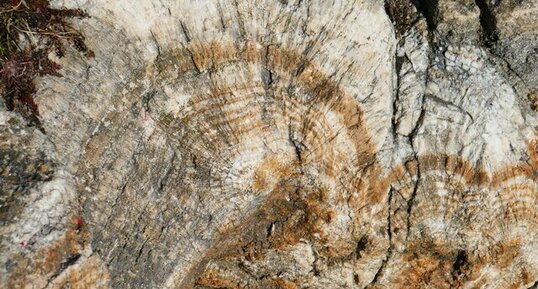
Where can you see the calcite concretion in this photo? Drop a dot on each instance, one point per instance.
(280, 144)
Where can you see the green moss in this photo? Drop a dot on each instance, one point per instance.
(13, 121)
(533, 97)
(165, 119)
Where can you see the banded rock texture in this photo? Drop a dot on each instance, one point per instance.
(280, 144)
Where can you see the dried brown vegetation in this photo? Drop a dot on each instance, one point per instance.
(29, 31)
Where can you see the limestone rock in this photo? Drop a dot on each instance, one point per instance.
(280, 144)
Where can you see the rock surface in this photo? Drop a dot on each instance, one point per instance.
(280, 144)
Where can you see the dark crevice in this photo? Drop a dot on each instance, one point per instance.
(221, 16)
(448, 104)
(388, 255)
(402, 14)
(430, 10)
(139, 254)
(297, 150)
(395, 122)
(399, 63)
(164, 179)
(379, 272)
(194, 161)
(270, 229)
(159, 52)
(298, 146)
(459, 265)
(419, 122)
(488, 23)
(411, 138)
(146, 99)
(71, 260)
(185, 31)
(267, 78)
(196, 67)
(361, 245)
(411, 200)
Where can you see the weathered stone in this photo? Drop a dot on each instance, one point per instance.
(280, 144)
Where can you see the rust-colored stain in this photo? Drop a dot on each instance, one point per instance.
(213, 279)
(50, 260)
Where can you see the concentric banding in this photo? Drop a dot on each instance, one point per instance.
(254, 110)
(243, 132)
(233, 125)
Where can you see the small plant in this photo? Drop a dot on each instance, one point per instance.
(533, 97)
(29, 31)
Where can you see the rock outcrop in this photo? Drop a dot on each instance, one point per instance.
(280, 144)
